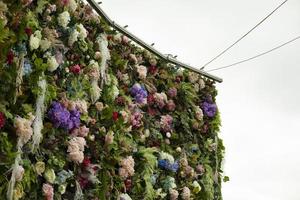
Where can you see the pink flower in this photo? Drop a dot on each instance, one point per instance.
(19, 173)
(160, 99)
(75, 69)
(136, 119)
(48, 191)
(166, 122)
(172, 92)
(82, 131)
(171, 105)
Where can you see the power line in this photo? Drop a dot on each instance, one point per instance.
(254, 57)
(252, 29)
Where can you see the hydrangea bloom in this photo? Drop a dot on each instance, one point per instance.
(61, 117)
(165, 164)
(209, 109)
(139, 92)
(166, 123)
(64, 19)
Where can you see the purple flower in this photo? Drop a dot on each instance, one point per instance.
(209, 109)
(139, 92)
(62, 118)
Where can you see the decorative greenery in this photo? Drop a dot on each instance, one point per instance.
(87, 114)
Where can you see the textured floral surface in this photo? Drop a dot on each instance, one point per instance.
(114, 122)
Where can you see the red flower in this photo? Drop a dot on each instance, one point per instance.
(128, 184)
(75, 69)
(150, 99)
(152, 111)
(28, 31)
(153, 70)
(86, 162)
(2, 120)
(83, 182)
(10, 57)
(115, 116)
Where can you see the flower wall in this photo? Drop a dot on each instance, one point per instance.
(87, 114)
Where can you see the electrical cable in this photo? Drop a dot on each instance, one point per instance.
(252, 29)
(254, 57)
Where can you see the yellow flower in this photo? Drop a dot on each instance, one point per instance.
(39, 167)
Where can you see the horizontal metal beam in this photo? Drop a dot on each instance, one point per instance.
(122, 30)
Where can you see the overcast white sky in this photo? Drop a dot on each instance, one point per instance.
(259, 100)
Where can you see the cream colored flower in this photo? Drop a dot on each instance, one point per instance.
(39, 167)
(45, 44)
(19, 173)
(186, 193)
(142, 71)
(35, 39)
(52, 63)
(64, 19)
(49, 175)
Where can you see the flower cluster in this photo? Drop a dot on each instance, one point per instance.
(127, 167)
(63, 118)
(139, 93)
(76, 149)
(166, 123)
(209, 109)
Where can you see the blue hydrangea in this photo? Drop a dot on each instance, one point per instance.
(166, 165)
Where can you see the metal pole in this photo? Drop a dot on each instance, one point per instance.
(122, 30)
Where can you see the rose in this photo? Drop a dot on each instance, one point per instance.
(49, 175)
(39, 167)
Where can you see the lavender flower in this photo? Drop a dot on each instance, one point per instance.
(62, 118)
(139, 92)
(209, 109)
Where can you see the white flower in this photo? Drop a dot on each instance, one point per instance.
(23, 128)
(82, 31)
(142, 71)
(114, 92)
(124, 197)
(76, 156)
(45, 44)
(35, 39)
(73, 37)
(64, 19)
(52, 64)
(72, 6)
(201, 83)
(82, 106)
(193, 77)
(19, 173)
(198, 113)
